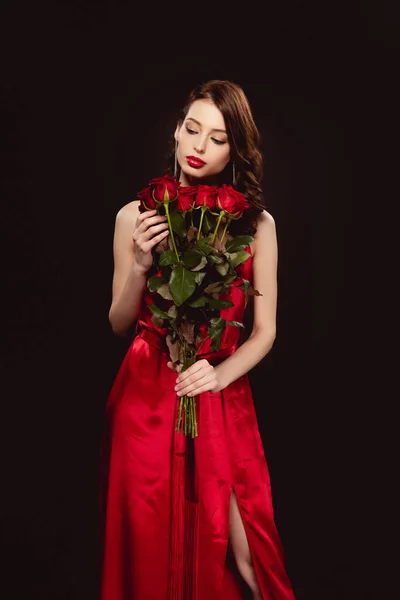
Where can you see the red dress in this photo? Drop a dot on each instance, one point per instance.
(165, 498)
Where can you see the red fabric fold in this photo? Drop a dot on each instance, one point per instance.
(165, 497)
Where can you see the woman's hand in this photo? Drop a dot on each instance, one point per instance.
(199, 377)
(150, 228)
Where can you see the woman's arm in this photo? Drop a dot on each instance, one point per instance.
(261, 340)
(201, 376)
(128, 280)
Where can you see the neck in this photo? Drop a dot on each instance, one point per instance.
(189, 180)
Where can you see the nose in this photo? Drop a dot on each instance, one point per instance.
(201, 146)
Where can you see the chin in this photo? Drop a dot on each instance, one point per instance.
(194, 174)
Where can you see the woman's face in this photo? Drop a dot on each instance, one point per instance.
(203, 136)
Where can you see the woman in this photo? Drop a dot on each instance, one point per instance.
(172, 506)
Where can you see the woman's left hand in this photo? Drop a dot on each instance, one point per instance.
(199, 377)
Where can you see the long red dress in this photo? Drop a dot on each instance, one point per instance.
(165, 498)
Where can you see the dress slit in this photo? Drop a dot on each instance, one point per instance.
(251, 550)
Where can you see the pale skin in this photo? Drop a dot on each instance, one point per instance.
(133, 258)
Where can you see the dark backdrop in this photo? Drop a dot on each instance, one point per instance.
(89, 96)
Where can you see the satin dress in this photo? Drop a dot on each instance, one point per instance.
(164, 497)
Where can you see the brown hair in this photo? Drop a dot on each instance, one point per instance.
(244, 140)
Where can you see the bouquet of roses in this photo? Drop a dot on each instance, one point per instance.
(191, 268)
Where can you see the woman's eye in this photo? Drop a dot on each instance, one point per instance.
(193, 132)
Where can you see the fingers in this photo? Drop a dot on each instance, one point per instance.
(146, 220)
(151, 228)
(197, 366)
(201, 385)
(193, 380)
(145, 215)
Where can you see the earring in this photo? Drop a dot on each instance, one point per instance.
(233, 173)
(175, 160)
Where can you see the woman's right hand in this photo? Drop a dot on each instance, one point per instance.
(150, 228)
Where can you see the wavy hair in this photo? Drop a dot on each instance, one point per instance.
(244, 141)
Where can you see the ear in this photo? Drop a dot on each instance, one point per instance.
(176, 134)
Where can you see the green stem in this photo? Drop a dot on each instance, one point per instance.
(179, 421)
(186, 415)
(187, 404)
(203, 210)
(166, 206)
(194, 420)
(225, 228)
(221, 214)
(191, 217)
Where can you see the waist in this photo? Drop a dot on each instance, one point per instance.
(153, 338)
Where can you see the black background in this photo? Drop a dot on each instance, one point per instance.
(89, 94)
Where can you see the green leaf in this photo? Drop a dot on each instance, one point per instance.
(199, 276)
(157, 321)
(245, 288)
(173, 311)
(182, 284)
(223, 268)
(215, 330)
(168, 258)
(208, 223)
(213, 287)
(178, 223)
(240, 258)
(158, 312)
(218, 260)
(153, 283)
(202, 243)
(164, 291)
(201, 301)
(166, 272)
(235, 324)
(216, 303)
(230, 277)
(238, 243)
(201, 264)
(191, 258)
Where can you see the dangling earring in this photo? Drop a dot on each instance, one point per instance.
(233, 173)
(175, 160)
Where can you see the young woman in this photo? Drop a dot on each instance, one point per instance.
(172, 506)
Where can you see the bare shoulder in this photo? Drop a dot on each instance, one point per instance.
(129, 211)
(125, 221)
(266, 231)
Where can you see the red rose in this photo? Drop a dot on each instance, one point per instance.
(147, 201)
(164, 189)
(186, 198)
(234, 203)
(206, 195)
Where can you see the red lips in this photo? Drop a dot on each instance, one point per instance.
(193, 161)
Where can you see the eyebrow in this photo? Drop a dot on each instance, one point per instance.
(198, 123)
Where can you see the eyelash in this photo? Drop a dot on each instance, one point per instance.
(192, 132)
